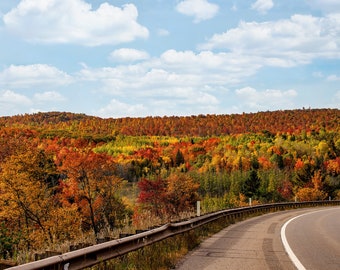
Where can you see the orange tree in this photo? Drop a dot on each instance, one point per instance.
(90, 183)
(182, 193)
(166, 198)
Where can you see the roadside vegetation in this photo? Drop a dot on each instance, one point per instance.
(69, 178)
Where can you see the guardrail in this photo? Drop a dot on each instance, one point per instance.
(95, 254)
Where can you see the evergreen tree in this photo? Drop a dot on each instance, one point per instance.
(251, 185)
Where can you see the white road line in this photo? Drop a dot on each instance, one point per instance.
(290, 252)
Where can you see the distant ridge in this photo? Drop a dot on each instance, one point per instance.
(282, 121)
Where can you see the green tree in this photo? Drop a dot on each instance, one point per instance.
(251, 185)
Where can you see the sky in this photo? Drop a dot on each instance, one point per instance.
(127, 58)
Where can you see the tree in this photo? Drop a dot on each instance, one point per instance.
(152, 195)
(168, 197)
(313, 193)
(91, 184)
(310, 194)
(182, 193)
(251, 185)
(28, 194)
(179, 159)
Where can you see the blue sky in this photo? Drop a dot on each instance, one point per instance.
(168, 57)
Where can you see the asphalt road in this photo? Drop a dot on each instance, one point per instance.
(256, 243)
(314, 238)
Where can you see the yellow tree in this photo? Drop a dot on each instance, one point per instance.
(314, 193)
(27, 186)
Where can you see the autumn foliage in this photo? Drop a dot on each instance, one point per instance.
(65, 176)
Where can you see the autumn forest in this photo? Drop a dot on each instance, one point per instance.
(66, 177)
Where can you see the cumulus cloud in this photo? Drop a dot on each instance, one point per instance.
(121, 109)
(262, 6)
(12, 102)
(173, 71)
(74, 21)
(288, 42)
(176, 78)
(128, 55)
(25, 76)
(184, 101)
(8, 96)
(199, 9)
(270, 98)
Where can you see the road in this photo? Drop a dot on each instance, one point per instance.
(314, 239)
(255, 244)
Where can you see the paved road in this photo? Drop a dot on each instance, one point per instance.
(253, 244)
(314, 239)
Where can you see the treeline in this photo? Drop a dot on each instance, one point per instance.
(69, 124)
(64, 176)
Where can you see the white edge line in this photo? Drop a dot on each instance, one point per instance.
(288, 249)
(290, 252)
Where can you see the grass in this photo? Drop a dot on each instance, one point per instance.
(166, 253)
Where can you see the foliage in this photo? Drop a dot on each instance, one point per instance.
(27, 199)
(8, 240)
(63, 175)
(90, 183)
(167, 198)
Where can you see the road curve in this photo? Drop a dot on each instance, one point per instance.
(314, 239)
(253, 244)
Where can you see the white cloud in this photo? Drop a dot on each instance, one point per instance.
(48, 96)
(128, 55)
(262, 6)
(120, 109)
(25, 76)
(264, 100)
(8, 96)
(184, 101)
(12, 103)
(325, 5)
(74, 21)
(173, 71)
(200, 9)
(181, 81)
(333, 78)
(288, 42)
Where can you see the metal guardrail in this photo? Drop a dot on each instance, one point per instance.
(95, 254)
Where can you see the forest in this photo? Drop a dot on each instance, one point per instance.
(66, 177)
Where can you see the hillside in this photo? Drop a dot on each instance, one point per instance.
(288, 121)
(66, 176)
